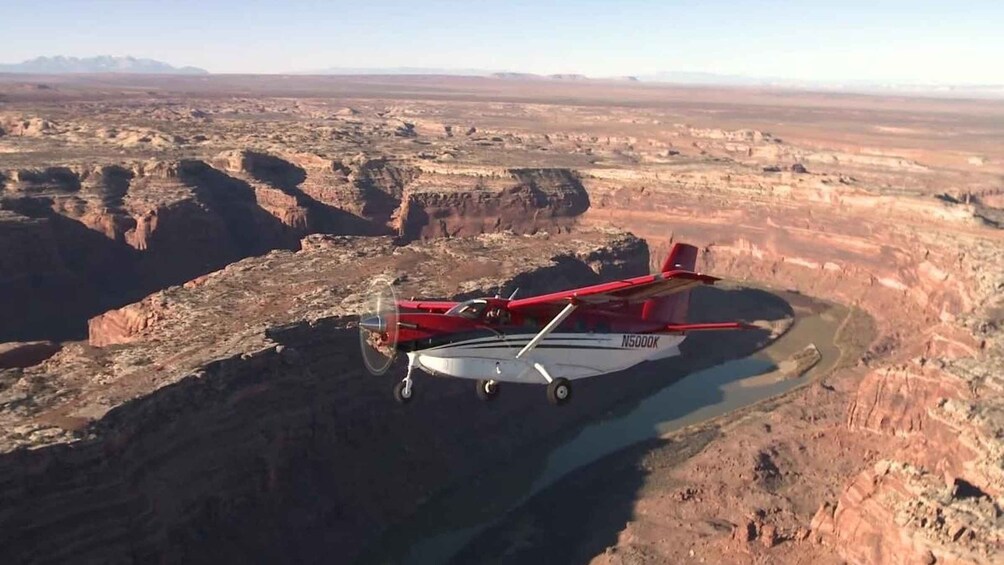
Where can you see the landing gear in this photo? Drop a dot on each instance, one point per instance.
(487, 390)
(404, 390)
(559, 391)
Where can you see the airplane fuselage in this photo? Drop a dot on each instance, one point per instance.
(550, 338)
(562, 355)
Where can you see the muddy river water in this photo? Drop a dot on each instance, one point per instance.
(445, 524)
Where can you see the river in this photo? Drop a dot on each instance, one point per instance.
(445, 524)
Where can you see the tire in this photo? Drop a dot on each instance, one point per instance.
(559, 391)
(399, 393)
(487, 390)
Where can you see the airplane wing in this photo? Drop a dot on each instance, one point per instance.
(634, 290)
(426, 305)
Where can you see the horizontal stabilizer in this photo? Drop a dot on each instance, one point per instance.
(713, 326)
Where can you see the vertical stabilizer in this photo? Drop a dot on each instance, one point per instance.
(673, 309)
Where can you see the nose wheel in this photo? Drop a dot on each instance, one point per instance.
(559, 391)
(487, 390)
(405, 390)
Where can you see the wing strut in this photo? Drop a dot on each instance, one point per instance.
(543, 372)
(566, 312)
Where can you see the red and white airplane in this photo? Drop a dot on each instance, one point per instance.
(550, 339)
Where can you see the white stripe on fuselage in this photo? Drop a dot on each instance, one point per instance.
(567, 355)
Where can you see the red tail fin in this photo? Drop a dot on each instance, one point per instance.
(682, 257)
(673, 309)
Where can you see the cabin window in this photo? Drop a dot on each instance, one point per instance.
(471, 309)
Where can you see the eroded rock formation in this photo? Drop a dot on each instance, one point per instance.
(81, 240)
(928, 404)
(524, 200)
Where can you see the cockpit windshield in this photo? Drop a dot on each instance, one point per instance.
(471, 309)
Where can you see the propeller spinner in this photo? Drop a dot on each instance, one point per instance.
(378, 329)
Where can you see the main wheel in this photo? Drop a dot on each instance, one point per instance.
(559, 391)
(487, 390)
(403, 393)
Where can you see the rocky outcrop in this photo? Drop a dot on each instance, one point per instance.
(75, 241)
(125, 324)
(25, 126)
(308, 192)
(116, 232)
(900, 514)
(371, 196)
(523, 200)
(928, 400)
(941, 496)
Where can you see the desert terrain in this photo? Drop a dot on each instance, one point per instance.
(182, 259)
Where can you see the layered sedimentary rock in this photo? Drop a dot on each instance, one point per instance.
(106, 235)
(524, 200)
(898, 513)
(940, 496)
(929, 272)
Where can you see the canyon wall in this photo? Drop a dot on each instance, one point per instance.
(76, 241)
(522, 200)
(929, 402)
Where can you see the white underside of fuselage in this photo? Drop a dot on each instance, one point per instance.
(570, 356)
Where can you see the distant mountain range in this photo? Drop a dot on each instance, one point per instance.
(100, 64)
(669, 77)
(455, 72)
(685, 77)
(134, 65)
(396, 71)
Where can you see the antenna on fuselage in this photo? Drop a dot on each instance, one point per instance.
(513, 295)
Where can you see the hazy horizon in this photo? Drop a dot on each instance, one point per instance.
(884, 42)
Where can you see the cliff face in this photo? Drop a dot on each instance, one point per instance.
(92, 238)
(108, 235)
(53, 269)
(927, 404)
(937, 495)
(901, 514)
(238, 425)
(523, 200)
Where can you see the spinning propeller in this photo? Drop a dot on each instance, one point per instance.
(378, 329)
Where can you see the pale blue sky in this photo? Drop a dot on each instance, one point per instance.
(918, 41)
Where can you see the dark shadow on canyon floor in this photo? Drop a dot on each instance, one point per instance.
(579, 517)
